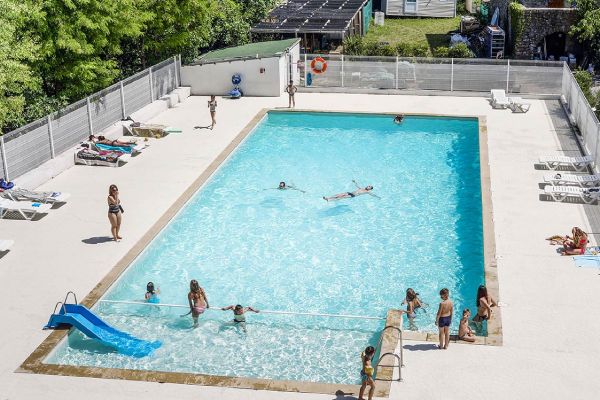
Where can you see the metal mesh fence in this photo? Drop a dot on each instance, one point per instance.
(30, 146)
(472, 75)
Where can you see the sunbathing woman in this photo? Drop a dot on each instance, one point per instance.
(577, 244)
(103, 140)
(349, 195)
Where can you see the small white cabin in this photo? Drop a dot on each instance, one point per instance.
(419, 8)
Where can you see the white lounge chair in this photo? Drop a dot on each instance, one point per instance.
(572, 179)
(26, 209)
(517, 104)
(579, 163)
(499, 99)
(6, 244)
(20, 194)
(559, 193)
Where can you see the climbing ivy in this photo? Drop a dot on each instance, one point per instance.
(517, 17)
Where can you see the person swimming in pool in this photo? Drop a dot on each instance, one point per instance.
(197, 300)
(399, 118)
(285, 186)
(151, 295)
(349, 195)
(238, 314)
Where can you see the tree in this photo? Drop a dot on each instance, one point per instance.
(255, 10)
(17, 51)
(80, 40)
(587, 28)
(229, 27)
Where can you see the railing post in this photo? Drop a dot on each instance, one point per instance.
(342, 70)
(122, 90)
(4, 162)
(452, 74)
(51, 137)
(151, 84)
(305, 68)
(397, 62)
(89, 114)
(507, 74)
(175, 69)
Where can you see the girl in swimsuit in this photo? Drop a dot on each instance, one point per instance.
(197, 300)
(212, 107)
(366, 373)
(484, 305)
(577, 244)
(151, 295)
(412, 302)
(114, 212)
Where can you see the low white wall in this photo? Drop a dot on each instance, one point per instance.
(215, 79)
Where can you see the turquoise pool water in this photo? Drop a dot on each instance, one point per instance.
(248, 243)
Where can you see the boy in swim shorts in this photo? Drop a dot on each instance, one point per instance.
(464, 330)
(443, 319)
(238, 314)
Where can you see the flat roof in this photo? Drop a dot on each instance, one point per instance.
(271, 48)
(310, 16)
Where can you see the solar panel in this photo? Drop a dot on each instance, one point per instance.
(310, 16)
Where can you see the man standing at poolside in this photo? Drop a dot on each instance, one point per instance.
(291, 89)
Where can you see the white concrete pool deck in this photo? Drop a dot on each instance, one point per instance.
(550, 312)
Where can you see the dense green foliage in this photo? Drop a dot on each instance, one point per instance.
(587, 29)
(516, 11)
(18, 51)
(53, 52)
(584, 80)
(356, 45)
(459, 50)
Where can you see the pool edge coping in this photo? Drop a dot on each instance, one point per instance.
(34, 362)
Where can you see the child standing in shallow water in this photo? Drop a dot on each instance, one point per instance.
(443, 319)
(464, 330)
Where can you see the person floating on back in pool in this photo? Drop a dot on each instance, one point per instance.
(197, 300)
(399, 118)
(151, 293)
(238, 314)
(349, 195)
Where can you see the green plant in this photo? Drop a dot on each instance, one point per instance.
(460, 50)
(517, 16)
(372, 49)
(441, 52)
(412, 50)
(585, 80)
(354, 45)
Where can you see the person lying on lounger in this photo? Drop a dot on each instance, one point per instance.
(103, 140)
(348, 195)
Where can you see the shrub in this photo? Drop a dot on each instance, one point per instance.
(412, 50)
(460, 50)
(354, 45)
(441, 52)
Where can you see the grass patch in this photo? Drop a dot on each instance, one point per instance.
(429, 31)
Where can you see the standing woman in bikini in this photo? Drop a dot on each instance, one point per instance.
(212, 107)
(114, 212)
(197, 300)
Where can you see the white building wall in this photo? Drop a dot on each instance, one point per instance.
(208, 79)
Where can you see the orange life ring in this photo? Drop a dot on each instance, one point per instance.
(318, 65)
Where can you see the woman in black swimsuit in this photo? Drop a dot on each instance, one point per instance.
(114, 212)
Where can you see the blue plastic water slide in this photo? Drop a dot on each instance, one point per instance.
(90, 325)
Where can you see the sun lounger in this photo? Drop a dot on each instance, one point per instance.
(579, 163)
(572, 179)
(499, 99)
(26, 209)
(145, 130)
(559, 193)
(6, 244)
(134, 148)
(517, 104)
(86, 156)
(18, 194)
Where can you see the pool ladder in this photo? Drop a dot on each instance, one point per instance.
(399, 358)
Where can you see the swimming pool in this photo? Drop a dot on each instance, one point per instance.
(248, 243)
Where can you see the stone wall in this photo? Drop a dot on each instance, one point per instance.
(538, 23)
(502, 6)
(534, 3)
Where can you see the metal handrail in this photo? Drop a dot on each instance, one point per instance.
(56, 305)
(400, 357)
(66, 298)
